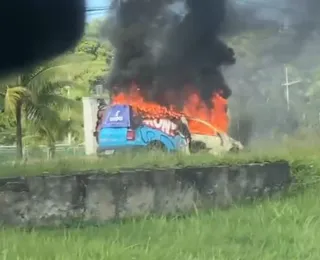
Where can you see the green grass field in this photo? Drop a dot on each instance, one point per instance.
(286, 228)
(271, 230)
(292, 153)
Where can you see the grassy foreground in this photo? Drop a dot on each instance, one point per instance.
(283, 229)
(293, 153)
(286, 228)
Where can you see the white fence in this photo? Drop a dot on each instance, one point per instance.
(8, 153)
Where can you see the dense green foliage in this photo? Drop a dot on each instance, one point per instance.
(42, 105)
(255, 80)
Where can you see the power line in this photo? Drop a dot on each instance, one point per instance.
(242, 2)
(252, 3)
(263, 4)
(95, 13)
(96, 9)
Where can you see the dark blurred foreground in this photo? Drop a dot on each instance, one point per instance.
(32, 31)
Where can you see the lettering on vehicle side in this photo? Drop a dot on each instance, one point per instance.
(116, 117)
(164, 125)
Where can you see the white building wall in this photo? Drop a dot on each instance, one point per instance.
(90, 108)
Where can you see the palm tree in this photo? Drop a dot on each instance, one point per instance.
(36, 93)
(13, 100)
(7, 126)
(44, 118)
(42, 133)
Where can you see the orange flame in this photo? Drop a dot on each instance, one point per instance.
(202, 119)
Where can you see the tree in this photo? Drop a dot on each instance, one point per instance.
(7, 128)
(93, 29)
(101, 53)
(84, 83)
(45, 116)
(30, 98)
(36, 94)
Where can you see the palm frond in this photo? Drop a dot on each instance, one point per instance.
(57, 102)
(58, 88)
(41, 113)
(41, 133)
(55, 75)
(13, 96)
(45, 132)
(34, 138)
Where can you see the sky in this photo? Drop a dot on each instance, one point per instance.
(263, 13)
(96, 3)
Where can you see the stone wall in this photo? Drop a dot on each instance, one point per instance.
(97, 196)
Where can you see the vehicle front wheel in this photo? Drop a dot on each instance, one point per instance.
(197, 146)
(156, 146)
(234, 150)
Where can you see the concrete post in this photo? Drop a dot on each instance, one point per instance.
(89, 122)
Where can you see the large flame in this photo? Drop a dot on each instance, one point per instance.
(202, 119)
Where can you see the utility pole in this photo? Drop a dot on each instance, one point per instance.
(287, 84)
(99, 90)
(285, 25)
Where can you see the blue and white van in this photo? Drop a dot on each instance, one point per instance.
(122, 128)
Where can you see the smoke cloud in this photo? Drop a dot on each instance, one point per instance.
(166, 44)
(293, 23)
(170, 43)
(291, 36)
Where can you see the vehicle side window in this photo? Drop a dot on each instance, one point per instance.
(136, 120)
(183, 128)
(103, 113)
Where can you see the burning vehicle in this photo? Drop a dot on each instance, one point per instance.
(123, 128)
(131, 122)
(167, 70)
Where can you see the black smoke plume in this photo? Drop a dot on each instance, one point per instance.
(293, 23)
(166, 44)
